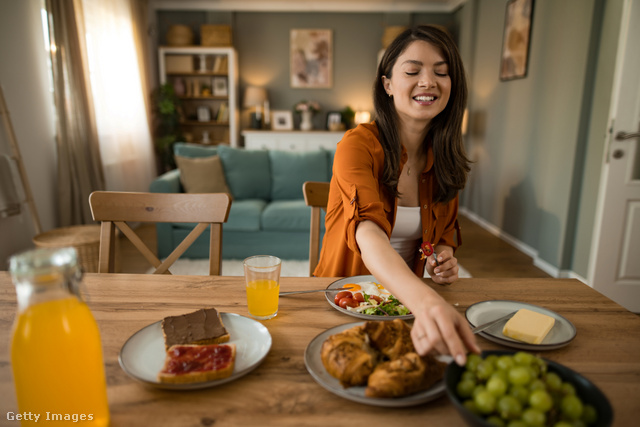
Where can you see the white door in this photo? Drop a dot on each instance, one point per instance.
(615, 255)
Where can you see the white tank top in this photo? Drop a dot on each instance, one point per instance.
(407, 233)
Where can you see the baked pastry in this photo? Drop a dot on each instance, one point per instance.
(203, 326)
(391, 338)
(404, 375)
(348, 357)
(197, 363)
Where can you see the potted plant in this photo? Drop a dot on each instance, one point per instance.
(166, 124)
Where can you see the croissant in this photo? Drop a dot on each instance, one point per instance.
(348, 357)
(404, 375)
(391, 338)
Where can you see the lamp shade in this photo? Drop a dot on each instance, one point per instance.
(254, 96)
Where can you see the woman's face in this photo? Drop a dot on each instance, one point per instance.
(420, 83)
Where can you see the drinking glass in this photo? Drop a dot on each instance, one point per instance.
(262, 281)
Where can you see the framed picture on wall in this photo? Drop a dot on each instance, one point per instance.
(282, 120)
(516, 39)
(311, 58)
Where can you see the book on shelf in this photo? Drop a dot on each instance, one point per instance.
(223, 113)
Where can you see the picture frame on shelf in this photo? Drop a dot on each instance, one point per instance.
(334, 120)
(516, 41)
(311, 58)
(220, 87)
(282, 120)
(204, 114)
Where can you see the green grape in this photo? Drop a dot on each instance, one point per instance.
(468, 375)
(571, 407)
(568, 388)
(553, 380)
(509, 407)
(484, 370)
(533, 417)
(497, 386)
(492, 358)
(500, 374)
(517, 423)
(478, 389)
(485, 402)
(519, 375)
(540, 400)
(523, 358)
(505, 362)
(472, 361)
(521, 393)
(537, 384)
(471, 406)
(495, 420)
(563, 424)
(465, 388)
(589, 414)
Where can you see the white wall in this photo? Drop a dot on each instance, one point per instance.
(25, 82)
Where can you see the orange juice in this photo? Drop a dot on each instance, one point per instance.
(57, 364)
(262, 297)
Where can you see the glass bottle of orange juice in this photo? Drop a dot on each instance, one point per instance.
(56, 353)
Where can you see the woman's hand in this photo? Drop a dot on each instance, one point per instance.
(439, 327)
(447, 271)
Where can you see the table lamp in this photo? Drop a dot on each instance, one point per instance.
(255, 97)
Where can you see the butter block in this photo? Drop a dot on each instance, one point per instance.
(528, 326)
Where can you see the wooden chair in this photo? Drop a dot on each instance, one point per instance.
(113, 208)
(316, 195)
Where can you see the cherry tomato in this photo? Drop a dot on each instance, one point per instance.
(342, 294)
(348, 302)
(376, 297)
(358, 297)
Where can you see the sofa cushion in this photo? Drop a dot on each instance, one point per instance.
(186, 149)
(202, 174)
(247, 172)
(289, 170)
(286, 215)
(245, 215)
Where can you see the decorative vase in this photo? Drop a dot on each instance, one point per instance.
(306, 123)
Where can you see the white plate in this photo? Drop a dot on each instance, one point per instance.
(357, 279)
(562, 333)
(143, 355)
(313, 361)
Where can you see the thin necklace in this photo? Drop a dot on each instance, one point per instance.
(408, 170)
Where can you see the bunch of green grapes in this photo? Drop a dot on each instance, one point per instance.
(518, 391)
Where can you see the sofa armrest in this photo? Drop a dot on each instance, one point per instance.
(169, 182)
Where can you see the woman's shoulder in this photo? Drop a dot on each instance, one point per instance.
(363, 135)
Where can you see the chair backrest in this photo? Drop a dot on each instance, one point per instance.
(316, 195)
(115, 208)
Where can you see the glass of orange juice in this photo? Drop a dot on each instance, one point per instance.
(262, 281)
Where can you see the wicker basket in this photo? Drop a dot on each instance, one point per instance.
(85, 238)
(215, 35)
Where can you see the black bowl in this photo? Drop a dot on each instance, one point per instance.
(585, 389)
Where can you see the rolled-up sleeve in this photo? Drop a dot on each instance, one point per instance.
(356, 169)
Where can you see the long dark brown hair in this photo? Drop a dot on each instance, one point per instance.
(450, 161)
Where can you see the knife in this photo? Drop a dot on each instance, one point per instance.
(493, 322)
(314, 290)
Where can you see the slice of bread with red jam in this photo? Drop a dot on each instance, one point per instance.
(198, 363)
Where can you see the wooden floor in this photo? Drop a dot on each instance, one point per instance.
(481, 253)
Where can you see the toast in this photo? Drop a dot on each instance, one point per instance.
(202, 327)
(198, 363)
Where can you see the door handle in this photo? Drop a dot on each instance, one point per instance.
(621, 136)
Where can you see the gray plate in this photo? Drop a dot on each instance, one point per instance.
(143, 355)
(562, 333)
(313, 361)
(355, 279)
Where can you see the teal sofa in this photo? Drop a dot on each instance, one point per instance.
(268, 214)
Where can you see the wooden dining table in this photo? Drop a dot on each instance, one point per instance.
(280, 391)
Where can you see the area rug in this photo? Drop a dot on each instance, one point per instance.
(233, 267)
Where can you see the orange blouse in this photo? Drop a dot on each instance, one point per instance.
(357, 194)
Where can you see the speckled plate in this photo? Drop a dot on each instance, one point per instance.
(143, 355)
(562, 333)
